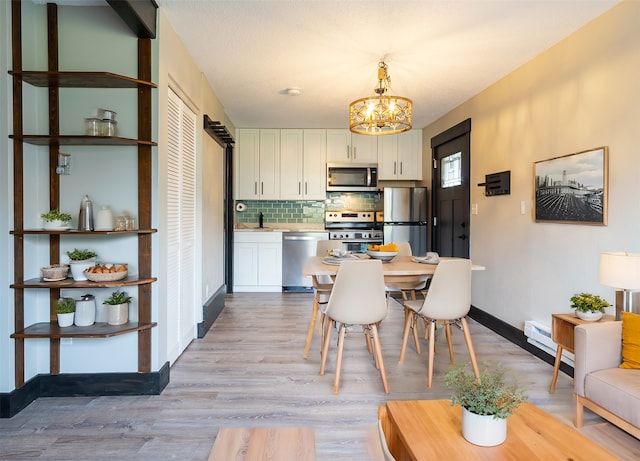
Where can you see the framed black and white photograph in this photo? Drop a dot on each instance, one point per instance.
(573, 188)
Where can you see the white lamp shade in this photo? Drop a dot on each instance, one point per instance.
(620, 270)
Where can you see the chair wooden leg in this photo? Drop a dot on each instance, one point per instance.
(325, 344)
(408, 319)
(378, 352)
(414, 329)
(312, 324)
(367, 339)
(447, 332)
(472, 353)
(336, 382)
(432, 350)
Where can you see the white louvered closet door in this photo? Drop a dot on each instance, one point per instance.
(180, 225)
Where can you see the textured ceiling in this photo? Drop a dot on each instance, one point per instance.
(439, 53)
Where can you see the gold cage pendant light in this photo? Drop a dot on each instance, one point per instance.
(383, 113)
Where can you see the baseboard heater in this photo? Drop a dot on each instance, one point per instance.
(540, 336)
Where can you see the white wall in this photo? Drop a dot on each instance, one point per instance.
(177, 70)
(580, 94)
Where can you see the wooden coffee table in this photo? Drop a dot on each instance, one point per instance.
(431, 429)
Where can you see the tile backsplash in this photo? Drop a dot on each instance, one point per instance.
(282, 212)
(310, 212)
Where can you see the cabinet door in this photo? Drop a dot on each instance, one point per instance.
(270, 264)
(245, 263)
(291, 165)
(338, 146)
(269, 185)
(315, 159)
(410, 155)
(248, 164)
(364, 148)
(387, 157)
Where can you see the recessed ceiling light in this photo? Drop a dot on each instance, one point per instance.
(293, 91)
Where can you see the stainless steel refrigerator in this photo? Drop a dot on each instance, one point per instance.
(405, 217)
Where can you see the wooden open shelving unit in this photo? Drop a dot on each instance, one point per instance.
(53, 79)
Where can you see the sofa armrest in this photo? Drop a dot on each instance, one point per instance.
(597, 346)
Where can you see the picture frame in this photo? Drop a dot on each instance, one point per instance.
(572, 189)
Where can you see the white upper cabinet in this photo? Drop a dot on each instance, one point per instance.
(303, 165)
(400, 156)
(258, 164)
(291, 164)
(346, 147)
(315, 165)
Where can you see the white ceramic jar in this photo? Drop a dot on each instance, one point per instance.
(104, 220)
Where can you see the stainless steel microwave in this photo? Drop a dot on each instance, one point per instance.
(352, 177)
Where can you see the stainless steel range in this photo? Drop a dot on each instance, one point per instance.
(356, 229)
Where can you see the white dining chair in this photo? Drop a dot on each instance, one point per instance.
(322, 285)
(407, 285)
(448, 301)
(357, 298)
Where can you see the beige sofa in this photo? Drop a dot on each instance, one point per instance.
(599, 385)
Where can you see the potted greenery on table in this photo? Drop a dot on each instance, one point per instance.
(118, 308)
(588, 307)
(79, 261)
(486, 403)
(65, 310)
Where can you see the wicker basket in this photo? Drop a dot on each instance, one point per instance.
(106, 276)
(55, 272)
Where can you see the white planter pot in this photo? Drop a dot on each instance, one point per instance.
(485, 431)
(118, 314)
(65, 320)
(85, 311)
(78, 267)
(589, 316)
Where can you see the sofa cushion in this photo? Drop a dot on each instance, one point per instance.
(630, 340)
(617, 390)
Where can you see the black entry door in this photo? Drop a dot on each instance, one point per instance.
(451, 167)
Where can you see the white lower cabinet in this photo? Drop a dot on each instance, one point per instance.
(257, 261)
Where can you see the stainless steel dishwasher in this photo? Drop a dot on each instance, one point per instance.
(296, 248)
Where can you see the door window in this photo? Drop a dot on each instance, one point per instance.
(451, 170)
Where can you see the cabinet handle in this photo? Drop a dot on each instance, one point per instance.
(394, 167)
(298, 187)
(355, 152)
(348, 153)
(255, 188)
(306, 188)
(262, 188)
(400, 168)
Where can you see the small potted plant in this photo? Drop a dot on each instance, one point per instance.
(118, 308)
(65, 309)
(79, 261)
(54, 219)
(486, 402)
(588, 307)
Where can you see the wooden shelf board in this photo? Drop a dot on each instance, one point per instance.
(70, 283)
(97, 330)
(77, 232)
(80, 79)
(80, 140)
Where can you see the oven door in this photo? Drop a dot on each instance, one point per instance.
(359, 246)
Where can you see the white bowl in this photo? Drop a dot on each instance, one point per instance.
(382, 255)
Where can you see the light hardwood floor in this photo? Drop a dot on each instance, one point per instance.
(249, 371)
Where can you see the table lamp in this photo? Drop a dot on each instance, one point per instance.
(622, 271)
